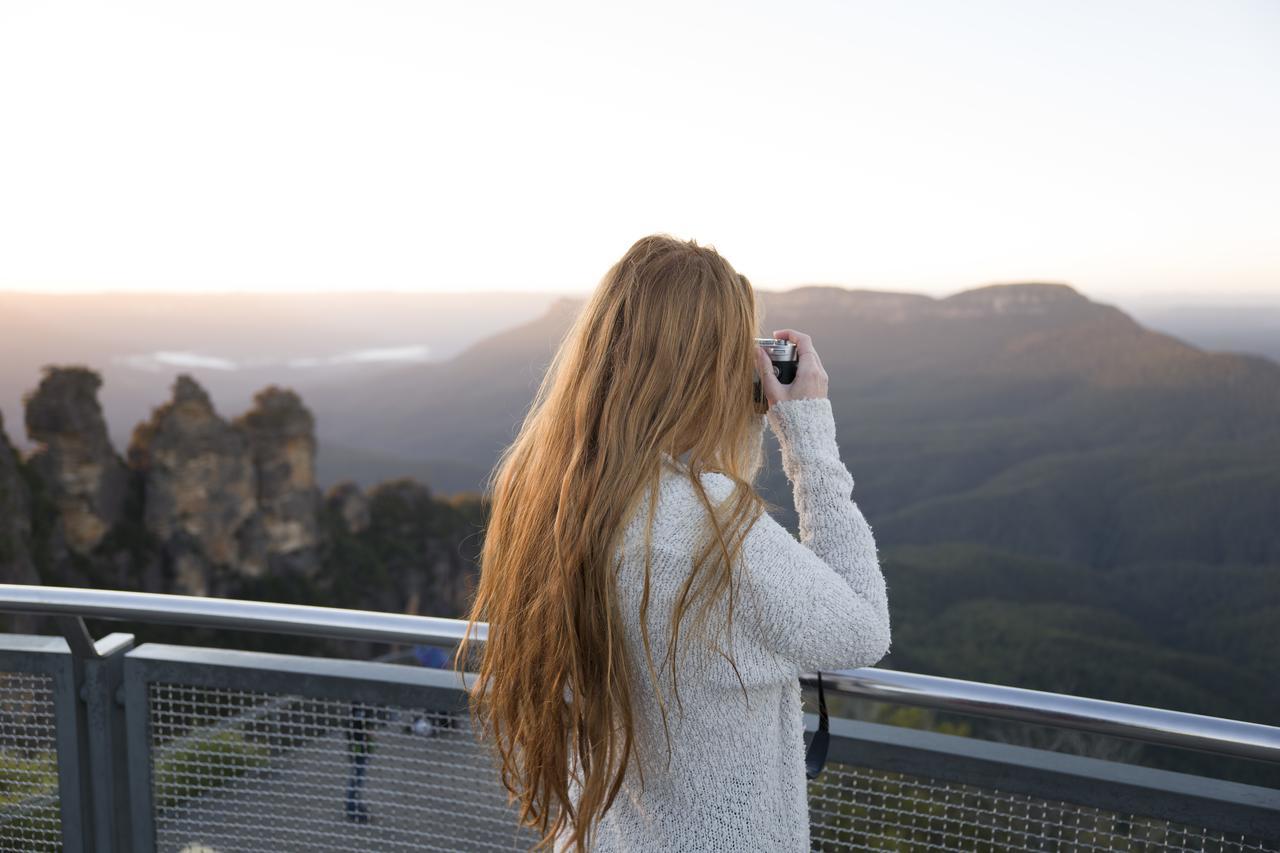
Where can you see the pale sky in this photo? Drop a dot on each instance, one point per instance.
(1127, 148)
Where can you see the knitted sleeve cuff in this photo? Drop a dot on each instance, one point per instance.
(805, 427)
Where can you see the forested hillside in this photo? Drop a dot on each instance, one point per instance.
(1063, 499)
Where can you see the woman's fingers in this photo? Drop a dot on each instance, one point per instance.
(804, 343)
(811, 377)
(769, 384)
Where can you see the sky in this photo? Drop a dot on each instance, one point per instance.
(1127, 148)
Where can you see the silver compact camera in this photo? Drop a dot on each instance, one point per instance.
(784, 358)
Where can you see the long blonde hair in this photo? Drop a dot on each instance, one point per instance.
(660, 360)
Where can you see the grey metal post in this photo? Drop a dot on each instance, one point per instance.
(108, 764)
(51, 657)
(137, 720)
(73, 756)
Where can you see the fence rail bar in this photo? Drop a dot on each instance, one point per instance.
(269, 617)
(1136, 722)
(1151, 725)
(1096, 783)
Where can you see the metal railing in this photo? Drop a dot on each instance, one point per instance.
(269, 617)
(166, 747)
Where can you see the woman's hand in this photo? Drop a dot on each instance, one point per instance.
(811, 379)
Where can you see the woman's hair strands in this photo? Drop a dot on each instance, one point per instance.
(660, 360)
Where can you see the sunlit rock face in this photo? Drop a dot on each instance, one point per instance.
(15, 518)
(80, 471)
(200, 490)
(1034, 299)
(210, 506)
(281, 433)
(348, 502)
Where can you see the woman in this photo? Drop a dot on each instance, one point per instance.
(649, 619)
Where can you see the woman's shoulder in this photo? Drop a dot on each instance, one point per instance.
(679, 509)
(676, 485)
(676, 474)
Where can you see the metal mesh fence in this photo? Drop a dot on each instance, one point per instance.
(855, 808)
(29, 816)
(237, 770)
(240, 770)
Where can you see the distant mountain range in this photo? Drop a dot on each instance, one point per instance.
(235, 343)
(1064, 499)
(1002, 374)
(1252, 328)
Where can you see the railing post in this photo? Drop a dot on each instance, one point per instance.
(60, 730)
(91, 748)
(73, 756)
(108, 757)
(137, 722)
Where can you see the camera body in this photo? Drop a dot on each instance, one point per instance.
(785, 360)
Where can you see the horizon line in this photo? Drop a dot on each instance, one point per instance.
(1199, 297)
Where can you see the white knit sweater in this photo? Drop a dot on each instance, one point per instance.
(736, 779)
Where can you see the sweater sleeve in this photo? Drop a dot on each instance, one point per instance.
(819, 603)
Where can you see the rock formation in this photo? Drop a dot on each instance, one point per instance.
(16, 565)
(200, 490)
(81, 473)
(347, 502)
(211, 507)
(281, 436)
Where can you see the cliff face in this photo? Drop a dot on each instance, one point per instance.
(1030, 300)
(16, 565)
(281, 434)
(82, 475)
(200, 492)
(211, 507)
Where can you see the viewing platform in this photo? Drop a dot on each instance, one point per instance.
(106, 745)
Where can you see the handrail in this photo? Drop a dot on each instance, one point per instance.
(267, 616)
(1098, 716)
(1152, 725)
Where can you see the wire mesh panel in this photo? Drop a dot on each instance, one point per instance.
(29, 816)
(855, 808)
(237, 770)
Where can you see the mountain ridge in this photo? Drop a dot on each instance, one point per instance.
(1040, 336)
